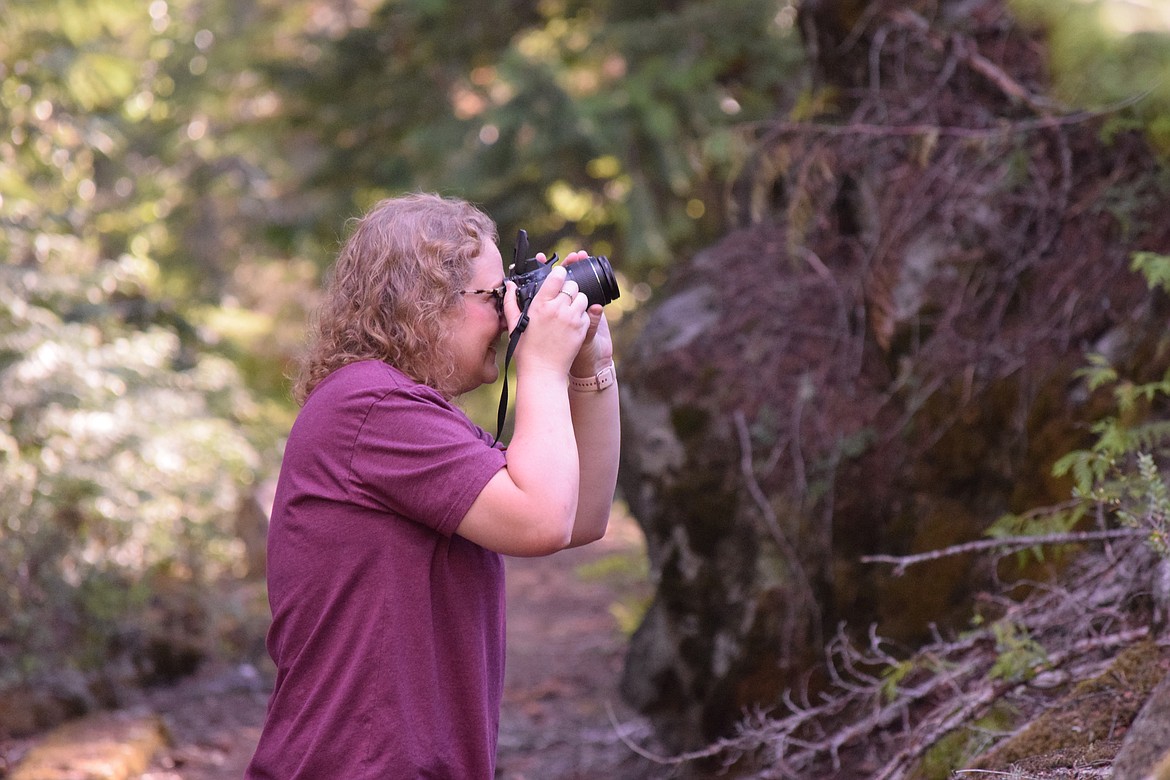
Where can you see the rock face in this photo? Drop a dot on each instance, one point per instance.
(881, 358)
(730, 385)
(1147, 743)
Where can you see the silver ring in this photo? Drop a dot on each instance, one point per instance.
(566, 292)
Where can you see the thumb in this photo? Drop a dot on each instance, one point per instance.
(511, 305)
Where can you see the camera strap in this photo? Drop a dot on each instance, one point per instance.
(520, 252)
(513, 340)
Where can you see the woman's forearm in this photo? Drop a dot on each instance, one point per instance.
(597, 429)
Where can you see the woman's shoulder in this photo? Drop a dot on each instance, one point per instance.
(367, 378)
(358, 388)
(370, 395)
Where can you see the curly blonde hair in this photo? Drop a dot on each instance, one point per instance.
(394, 288)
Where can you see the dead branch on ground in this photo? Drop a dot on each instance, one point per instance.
(1007, 544)
(898, 709)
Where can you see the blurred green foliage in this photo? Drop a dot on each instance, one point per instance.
(1109, 52)
(606, 125)
(124, 455)
(127, 445)
(176, 174)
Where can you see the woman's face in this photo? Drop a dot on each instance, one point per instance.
(477, 329)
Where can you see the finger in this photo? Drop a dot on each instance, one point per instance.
(511, 306)
(594, 313)
(552, 284)
(573, 257)
(570, 289)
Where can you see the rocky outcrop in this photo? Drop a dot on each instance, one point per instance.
(881, 359)
(1146, 749)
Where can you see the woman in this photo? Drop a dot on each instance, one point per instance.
(393, 509)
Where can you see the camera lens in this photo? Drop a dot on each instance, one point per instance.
(594, 277)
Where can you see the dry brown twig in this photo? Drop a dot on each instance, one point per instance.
(1009, 543)
(968, 53)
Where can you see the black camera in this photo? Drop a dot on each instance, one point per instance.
(593, 275)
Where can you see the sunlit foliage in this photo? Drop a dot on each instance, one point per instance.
(612, 125)
(122, 454)
(125, 444)
(1109, 52)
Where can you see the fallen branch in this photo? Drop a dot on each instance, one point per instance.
(974, 704)
(1006, 543)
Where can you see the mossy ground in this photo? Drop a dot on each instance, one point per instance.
(1086, 723)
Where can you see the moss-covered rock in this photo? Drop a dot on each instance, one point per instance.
(1089, 721)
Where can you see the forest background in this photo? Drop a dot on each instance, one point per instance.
(175, 177)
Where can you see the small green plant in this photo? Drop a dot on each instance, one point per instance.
(1019, 656)
(1155, 267)
(1148, 507)
(893, 676)
(1121, 471)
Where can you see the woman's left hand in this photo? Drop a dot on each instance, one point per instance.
(597, 350)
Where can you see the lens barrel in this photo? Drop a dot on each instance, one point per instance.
(594, 277)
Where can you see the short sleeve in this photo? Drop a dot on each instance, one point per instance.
(420, 457)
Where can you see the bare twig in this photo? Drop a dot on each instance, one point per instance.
(968, 52)
(757, 493)
(634, 746)
(946, 684)
(1006, 543)
(974, 705)
(788, 550)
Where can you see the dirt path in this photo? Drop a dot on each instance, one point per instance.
(561, 700)
(565, 650)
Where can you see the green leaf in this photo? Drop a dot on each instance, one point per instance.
(1098, 373)
(98, 80)
(1155, 267)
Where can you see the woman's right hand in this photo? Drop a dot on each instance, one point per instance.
(557, 323)
(530, 506)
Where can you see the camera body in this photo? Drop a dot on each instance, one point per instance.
(594, 275)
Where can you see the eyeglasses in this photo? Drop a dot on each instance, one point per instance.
(496, 292)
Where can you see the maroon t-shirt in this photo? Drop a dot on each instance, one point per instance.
(387, 628)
